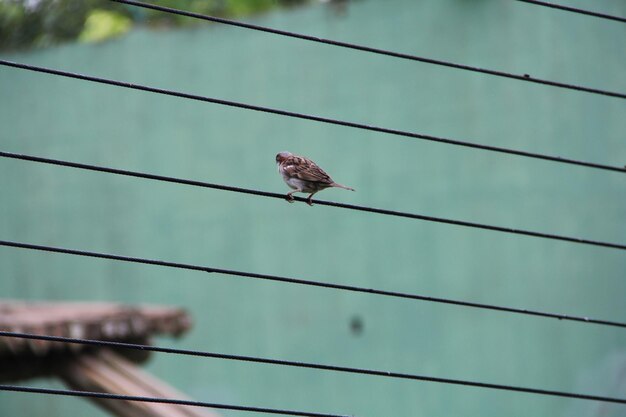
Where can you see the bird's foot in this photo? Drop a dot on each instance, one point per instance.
(309, 202)
(289, 198)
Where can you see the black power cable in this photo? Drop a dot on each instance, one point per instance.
(304, 282)
(103, 395)
(311, 117)
(524, 77)
(320, 202)
(319, 367)
(573, 10)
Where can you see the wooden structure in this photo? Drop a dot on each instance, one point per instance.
(90, 368)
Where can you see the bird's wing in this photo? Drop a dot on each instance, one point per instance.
(305, 169)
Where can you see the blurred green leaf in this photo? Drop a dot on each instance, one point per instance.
(40, 23)
(104, 24)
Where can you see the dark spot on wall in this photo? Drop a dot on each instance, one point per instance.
(356, 325)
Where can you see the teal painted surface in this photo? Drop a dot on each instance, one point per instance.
(79, 121)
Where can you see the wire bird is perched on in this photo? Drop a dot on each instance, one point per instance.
(304, 176)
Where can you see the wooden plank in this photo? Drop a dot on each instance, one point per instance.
(99, 320)
(106, 371)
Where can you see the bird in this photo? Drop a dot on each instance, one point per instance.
(304, 176)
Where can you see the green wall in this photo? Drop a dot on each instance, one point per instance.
(79, 121)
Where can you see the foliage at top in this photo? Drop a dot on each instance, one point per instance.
(40, 23)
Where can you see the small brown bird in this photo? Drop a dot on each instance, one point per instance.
(304, 176)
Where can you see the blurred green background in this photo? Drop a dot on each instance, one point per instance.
(79, 121)
(26, 24)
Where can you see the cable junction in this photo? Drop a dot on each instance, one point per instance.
(572, 9)
(320, 202)
(310, 283)
(524, 77)
(343, 369)
(311, 117)
(89, 394)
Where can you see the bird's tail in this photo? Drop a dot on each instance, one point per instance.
(334, 184)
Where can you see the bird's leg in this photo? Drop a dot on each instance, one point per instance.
(290, 196)
(308, 200)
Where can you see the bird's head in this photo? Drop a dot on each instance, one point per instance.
(282, 156)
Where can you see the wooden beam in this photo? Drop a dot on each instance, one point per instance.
(106, 371)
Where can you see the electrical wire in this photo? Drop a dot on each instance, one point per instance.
(299, 281)
(524, 77)
(107, 396)
(311, 117)
(303, 364)
(571, 9)
(344, 369)
(320, 202)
